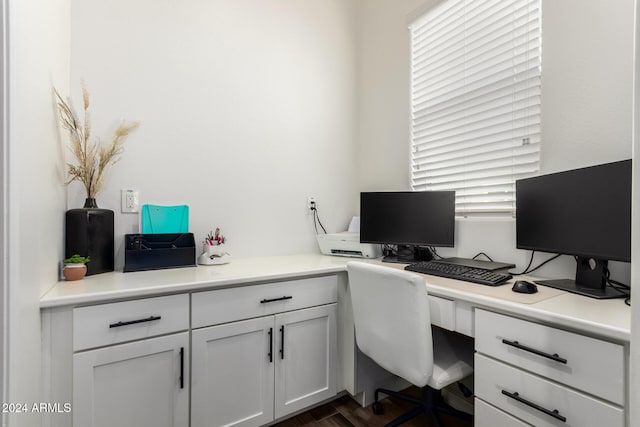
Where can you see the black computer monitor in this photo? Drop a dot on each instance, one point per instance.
(413, 220)
(583, 212)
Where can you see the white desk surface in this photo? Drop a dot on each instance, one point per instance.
(119, 285)
(609, 319)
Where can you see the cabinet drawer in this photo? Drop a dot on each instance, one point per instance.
(582, 362)
(539, 401)
(442, 313)
(107, 324)
(486, 415)
(227, 305)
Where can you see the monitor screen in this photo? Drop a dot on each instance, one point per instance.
(420, 218)
(583, 212)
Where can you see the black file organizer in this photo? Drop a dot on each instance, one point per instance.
(158, 251)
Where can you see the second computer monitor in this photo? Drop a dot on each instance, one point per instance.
(414, 218)
(582, 212)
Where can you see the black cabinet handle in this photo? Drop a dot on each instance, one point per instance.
(282, 342)
(133, 322)
(264, 301)
(553, 357)
(270, 345)
(181, 367)
(552, 413)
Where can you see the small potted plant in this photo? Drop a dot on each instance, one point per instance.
(74, 267)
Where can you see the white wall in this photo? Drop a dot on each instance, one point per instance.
(587, 78)
(384, 113)
(246, 108)
(38, 58)
(586, 106)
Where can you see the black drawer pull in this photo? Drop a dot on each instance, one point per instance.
(555, 413)
(133, 322)
(553, 357)
(181, 367)
(270, 345)
(264, 301)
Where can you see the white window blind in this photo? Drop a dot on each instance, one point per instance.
(475, 100)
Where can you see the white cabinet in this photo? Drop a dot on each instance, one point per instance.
(132, 383)
(250, 372)
(244, 302)
(232, 382)
(546, 376)
(143, 383)
(490, 416)
(107, 324)
(306, 358)
(540, 401)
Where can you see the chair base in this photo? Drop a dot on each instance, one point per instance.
(431, 403)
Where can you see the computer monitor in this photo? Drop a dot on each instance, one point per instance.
(583, 212)
(413, 220)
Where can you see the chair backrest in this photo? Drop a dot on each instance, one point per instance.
(156, 219)
(392, 319)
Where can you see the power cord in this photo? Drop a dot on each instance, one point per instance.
(316, 218)
(529, 269)
(435, 254)
(388, 249)
(485, 255)
(625, 290)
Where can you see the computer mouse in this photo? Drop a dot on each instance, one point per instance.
(524, 287)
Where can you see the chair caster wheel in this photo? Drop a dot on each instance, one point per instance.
(377, 408)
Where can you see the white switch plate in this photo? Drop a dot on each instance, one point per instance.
(130, 201)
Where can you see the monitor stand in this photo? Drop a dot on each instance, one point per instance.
(590, 280)
(407, 254)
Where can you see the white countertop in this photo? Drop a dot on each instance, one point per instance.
(603, 318)
(119, 285)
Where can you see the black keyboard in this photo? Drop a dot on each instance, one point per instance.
(460, 272)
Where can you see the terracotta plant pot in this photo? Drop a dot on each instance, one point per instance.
(74, 271)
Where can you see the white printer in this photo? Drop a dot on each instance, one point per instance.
(347, 244)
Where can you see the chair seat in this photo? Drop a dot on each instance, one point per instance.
(453, 359)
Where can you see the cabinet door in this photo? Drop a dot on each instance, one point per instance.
(143, 383)
(232, 376)
(305, 358)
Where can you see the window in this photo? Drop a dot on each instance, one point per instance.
(475, 100)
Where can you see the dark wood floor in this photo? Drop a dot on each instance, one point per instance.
(345, 412)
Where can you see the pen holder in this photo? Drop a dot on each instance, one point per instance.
(214, 250)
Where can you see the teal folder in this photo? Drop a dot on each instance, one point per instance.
(164, 219)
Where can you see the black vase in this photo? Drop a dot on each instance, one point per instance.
(89, 232)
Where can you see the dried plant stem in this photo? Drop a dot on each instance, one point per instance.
(91, 158)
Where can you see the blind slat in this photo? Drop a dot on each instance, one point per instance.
(458, 46)
(524, 80)
(464, 68)
(475, 156)
(486, 131)
(475, 100)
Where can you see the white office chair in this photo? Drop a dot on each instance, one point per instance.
(393, 327)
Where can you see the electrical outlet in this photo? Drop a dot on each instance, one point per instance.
(130, 201)
(311, 203)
